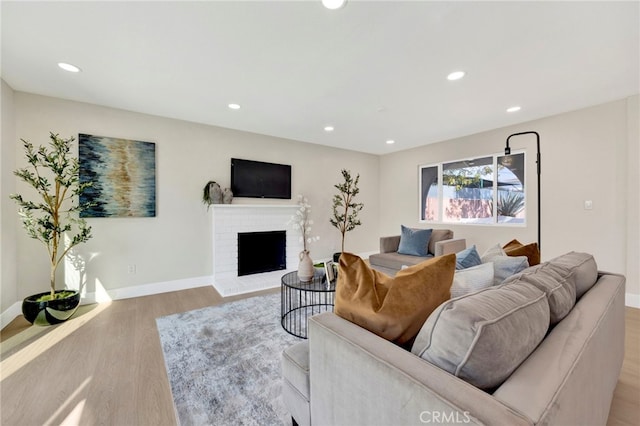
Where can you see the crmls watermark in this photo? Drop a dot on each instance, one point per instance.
(451, 417)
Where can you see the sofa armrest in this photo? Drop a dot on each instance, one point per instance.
(450, 246)
(389, 244)
(358, 378)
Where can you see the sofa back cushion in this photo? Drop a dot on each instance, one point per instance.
(483, 337)
(556, 281)
(438, 235)
(583, 267)
(393, 308)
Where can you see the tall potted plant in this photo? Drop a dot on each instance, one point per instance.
(345, 209)
(54, 175)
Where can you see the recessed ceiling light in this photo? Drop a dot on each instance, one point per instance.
(68, 67)
(456, 75)
(328, 128)
(390, 142)
(333, 4)
(233, 106)
(513, 109)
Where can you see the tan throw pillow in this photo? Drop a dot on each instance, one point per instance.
(393, 308)
(516, 248)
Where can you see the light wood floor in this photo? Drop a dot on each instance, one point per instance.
(105, 366)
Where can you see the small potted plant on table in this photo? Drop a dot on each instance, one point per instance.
(55, 178)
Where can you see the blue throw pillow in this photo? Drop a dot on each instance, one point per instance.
(468, 258)
(414, 241)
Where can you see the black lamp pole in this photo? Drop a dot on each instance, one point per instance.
(507, 151)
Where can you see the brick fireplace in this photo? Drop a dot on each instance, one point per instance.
(229, 220)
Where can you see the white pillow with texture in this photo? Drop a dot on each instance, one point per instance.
(491, 253)
(472, 279)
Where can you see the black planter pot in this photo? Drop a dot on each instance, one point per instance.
(51, 311)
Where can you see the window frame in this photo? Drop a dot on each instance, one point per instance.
(440, 191)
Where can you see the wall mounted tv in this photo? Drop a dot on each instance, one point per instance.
(256, 179)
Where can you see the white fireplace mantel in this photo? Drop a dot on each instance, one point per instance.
(229, 220)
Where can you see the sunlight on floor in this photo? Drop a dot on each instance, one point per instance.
(73, 418)
(41, 344)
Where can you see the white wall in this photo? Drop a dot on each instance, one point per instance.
(176, 245)
(8, 218)
(585, 156)
(633, 195)
(588, 154)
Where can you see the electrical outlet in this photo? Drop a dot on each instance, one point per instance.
(131, 269)
(588, 205)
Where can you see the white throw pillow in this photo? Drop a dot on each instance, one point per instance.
(472, 279)
(491, 253)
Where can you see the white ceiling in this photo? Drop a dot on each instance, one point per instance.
(375, 70)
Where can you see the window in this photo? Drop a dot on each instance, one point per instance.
(466, 191)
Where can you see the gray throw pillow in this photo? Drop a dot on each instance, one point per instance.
(472, 279)
(483, 337)
(507, 266)
(414, 241)
(467, 258)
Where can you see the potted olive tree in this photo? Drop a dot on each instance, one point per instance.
(345, 210)
(54, 175)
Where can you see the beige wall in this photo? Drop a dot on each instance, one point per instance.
(591, 154)
(633, 195)
(176, 245)
(8, 218)
(585, 156)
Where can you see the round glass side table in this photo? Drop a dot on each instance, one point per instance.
(301, 300)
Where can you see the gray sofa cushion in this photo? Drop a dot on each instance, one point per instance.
(483, 337)
(584, 270)
(557, 283)
(295, 367)
(438, 235)
(395, 260)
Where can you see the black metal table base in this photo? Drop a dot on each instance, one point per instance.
(301, 300)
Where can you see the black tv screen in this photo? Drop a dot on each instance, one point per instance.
(256, 179)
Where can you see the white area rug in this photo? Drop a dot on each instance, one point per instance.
(223, 362)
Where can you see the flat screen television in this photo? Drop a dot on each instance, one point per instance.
(256, 179)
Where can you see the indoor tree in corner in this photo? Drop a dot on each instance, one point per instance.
(54, 176)
(345, 210)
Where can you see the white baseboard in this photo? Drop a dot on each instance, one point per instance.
(632, 300)
(9, 315)
(146, 290)
(120, 293)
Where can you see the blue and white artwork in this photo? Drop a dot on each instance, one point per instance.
(123, 173)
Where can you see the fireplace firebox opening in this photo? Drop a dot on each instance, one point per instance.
(260, 252)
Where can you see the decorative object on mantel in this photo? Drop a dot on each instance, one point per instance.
(345, 210)
(227, 196)
(211, 194)
(301, 221)
(52, 221)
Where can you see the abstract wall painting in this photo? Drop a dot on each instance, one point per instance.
(123, 173)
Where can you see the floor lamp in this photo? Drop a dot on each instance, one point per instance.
(507, 151)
